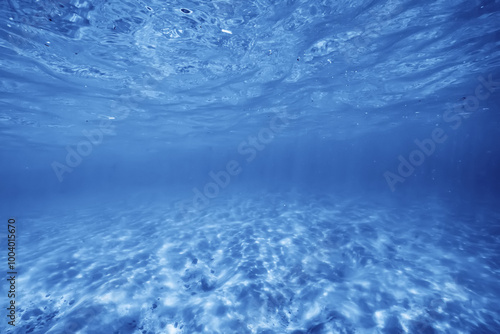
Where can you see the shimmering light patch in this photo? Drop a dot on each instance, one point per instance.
(115, 296)
(171, 329)
(312, 312)
(380, 318)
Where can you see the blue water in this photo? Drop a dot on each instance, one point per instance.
(251, 166)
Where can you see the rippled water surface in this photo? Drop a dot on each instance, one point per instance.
(188, 68)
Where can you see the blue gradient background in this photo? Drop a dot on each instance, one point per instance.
(308, 237)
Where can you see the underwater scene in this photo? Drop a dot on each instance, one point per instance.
(259, 166)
